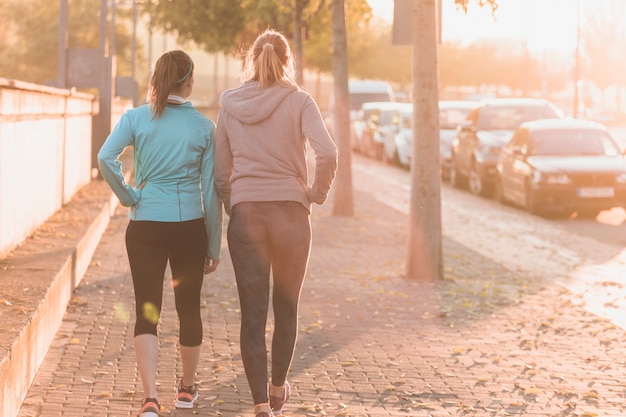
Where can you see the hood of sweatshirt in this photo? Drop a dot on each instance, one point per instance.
(251, 103)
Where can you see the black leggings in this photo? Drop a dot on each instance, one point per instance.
(150, 245)
(264, 237)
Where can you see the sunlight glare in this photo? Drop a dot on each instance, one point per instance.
(543, 25)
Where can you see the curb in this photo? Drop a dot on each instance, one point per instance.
(20, 363)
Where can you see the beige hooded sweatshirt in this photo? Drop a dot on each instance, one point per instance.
(261, 147)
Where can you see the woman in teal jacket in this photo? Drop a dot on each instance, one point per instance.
(175, 215)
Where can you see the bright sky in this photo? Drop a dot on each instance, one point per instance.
(545, 24)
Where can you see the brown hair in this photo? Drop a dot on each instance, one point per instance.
(170, 71)
(269, 60)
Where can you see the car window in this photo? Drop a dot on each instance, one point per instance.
(510, 117)
(473, 115)
(357, 99)
(364, 114)
(519, 139)
(386, 116)
(451, 118)
(573, 142)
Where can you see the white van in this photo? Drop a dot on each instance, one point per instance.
(362, 91)
(365, 91)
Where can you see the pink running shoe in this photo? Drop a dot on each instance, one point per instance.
(276, 403)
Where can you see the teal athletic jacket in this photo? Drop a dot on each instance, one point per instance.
(173, 157)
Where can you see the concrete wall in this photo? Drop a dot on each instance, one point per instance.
(45, 158)
(45, 154)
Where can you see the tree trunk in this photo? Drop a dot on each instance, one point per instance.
(297, 42)
(343, 199)
(425, 258)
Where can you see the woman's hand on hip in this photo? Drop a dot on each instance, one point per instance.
(210, 265)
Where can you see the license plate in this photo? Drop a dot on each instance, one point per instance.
(596, 192)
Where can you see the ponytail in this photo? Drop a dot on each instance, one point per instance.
(170, 71)
(269, 60)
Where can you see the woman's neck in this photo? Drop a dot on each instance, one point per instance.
(175, 99)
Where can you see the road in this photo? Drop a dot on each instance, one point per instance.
(587, 257)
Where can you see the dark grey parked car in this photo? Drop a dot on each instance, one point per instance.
(451, 114)
(486, 129)
(562, 166)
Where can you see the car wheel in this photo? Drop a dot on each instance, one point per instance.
(366, 144)
(377, 151)
(588, 213)
(385, 157)
(396, 158)
(498, 192)
(456, 179)
(532, 205)
(475, 182)
(372, 152)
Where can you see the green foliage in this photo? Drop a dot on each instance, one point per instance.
(378, 58)
(227, 26)
(363, 40)
(212, 24)
(32, 40)
(30, 35)
(231, 25)
(218, 25)
(318, 43)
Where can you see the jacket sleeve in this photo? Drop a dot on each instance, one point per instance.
(315, 131)
(110, 165)
(212, 204)
(223, 162)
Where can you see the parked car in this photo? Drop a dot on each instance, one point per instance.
(382, 121)
(397, 137)
(398, 140)
(486, 129)
(562, 166)
(359, 91)
(362, 126)
(364, 91)
(451, 114)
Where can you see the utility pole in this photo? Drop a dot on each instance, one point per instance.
(62, 51)
(576, 61)
(101, 123)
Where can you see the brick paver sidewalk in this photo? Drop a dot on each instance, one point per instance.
(484, 342)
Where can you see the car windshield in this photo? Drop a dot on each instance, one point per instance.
(451, 118)
(386, 116)
(573, 142)
(364, 114)
(357, 99)
(510, 117)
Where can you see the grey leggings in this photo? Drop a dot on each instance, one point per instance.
(264, 237)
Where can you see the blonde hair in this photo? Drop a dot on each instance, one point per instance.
(269, 60)
(170, 71)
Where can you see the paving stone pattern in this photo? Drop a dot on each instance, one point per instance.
(484, 341)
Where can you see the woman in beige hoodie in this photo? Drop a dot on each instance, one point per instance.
(261, 176)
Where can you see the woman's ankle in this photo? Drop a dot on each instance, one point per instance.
(277, 391)
(263, 408)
